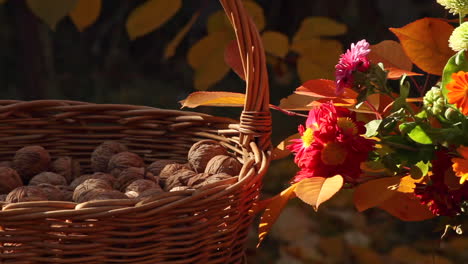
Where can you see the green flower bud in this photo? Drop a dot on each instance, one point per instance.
(453, 115)
(459, 39)
(455, 6)
(434, 101)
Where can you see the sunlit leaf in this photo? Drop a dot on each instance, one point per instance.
(275, 43)
(419, 135)
(313, 27)
(406, 207)
(256, 13)
(425, 43)
(394, 59)
(172, 46)
(317, 190)
(280, 151)
(150, 15)
(272, 212)
(325, 89)
(85, 13)
(375, 192)
(213, 99)
(297, 102)
(51, 11)
(233, 59)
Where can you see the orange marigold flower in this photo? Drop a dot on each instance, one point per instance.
(458, 91)
(460, 165)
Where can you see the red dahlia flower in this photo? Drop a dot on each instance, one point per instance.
(331, 143)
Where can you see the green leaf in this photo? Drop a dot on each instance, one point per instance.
(455, 64)
(419, 135)
(372, 127)
(424, 167)
(406, 127)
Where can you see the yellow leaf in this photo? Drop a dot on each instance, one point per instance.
(218, 22)
(172, 46)
(280, 151)
(275, 43)
(317, 190)
(272, 212)
(214, 99)
(150, 16)
(256, 12)
(85, 13)
(313, 27)
(207, 59)
(51, 11)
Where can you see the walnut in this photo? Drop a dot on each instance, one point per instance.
(67, 167)
(202, 151)
(9, 180)
(103, 153)
(169, 170)
(67, 192)
(150, 192)
(225, 164)
(6, 164)
(158, 165)
(48, 177)
(136, 187)
(29, 161)
(196, 181)
(130, 175)
(123, 160)
(101, 194)
(26, 194)
(88, 185)
(3, 197)
(203, 179)
(53, 193)
(97, 175)
(180, 178)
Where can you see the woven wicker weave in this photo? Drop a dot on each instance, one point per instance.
(207, 225)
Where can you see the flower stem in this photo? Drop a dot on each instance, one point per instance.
(289, 113)
(376, 112)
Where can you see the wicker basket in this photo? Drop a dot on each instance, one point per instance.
(207, 225)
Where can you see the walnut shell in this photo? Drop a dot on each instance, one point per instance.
(97, 175)
(158, 165)
(124, 160)
(169, 170)
(26, 194)
(150, 192)
(223, 164)
(9, 180)
(130, 175)
(48, 177)
(202, 151)
(53, 193)
(3, 197)
(101, 194)
(87, 185)
(203, 179)
(103, 153)
(67, 192)
(30, 160)
(134, 189)
(180, 178)
(196, 181)
(67, 167)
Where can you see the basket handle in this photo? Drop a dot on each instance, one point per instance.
(255, 121)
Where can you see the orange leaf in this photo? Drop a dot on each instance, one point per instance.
(325, 89)
(233, 59)
(317, 190)
(280, 151)
(85, 13)
(373, 193)
(297, 102)
(406, 207)
(273, 211)
(394, 59)
(213, 99)
(425, 43)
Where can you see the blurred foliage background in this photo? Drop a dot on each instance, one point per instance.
(104, 63)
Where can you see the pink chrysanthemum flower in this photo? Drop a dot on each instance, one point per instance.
(355, 59)
(330, 144)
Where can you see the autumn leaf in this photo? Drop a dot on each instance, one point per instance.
(85, 13)
(218, 22)
(281, 151)
(317, 190)
(394, 59)
(150, 15)
(375, 192)
(313, 27)
(406, 207)
(170, 49)
(296, 102)
(213, 99)
(272, 212)
(325, 89)
(233, 59)
(256, 13)
(51, 11)
(275, 43)
(425, 41)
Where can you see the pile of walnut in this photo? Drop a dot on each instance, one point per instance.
(118, 174)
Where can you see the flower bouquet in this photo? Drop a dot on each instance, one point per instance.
(398, 137)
